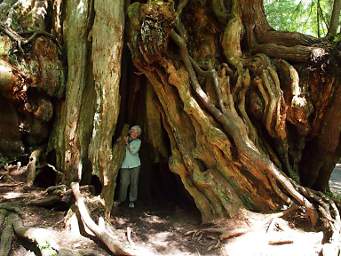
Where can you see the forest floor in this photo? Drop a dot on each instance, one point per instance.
(160, 230)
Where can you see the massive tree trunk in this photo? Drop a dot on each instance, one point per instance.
(83, 134)
(31, 76)
(244, 114)
(36, 37)
(241, 103)
(69, 142)
(106, 59)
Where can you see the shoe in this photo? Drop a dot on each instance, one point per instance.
(117, 203)
(131, 205)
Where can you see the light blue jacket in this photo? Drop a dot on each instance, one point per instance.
(132, 159)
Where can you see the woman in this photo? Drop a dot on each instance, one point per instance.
(130, 168)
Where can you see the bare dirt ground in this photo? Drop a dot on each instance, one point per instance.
(153, 229)
(162, 230)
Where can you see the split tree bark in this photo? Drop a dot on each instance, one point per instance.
(85, 125)
(107, 45)
(67, 139)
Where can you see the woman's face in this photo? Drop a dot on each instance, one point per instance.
(134, 134)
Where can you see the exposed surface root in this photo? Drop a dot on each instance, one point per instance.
(267, 231)
(99, 230)
(166, 235)
(330, 220)
(12, 225)
(59, 195)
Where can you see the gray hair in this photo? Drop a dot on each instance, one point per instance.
(137, 128)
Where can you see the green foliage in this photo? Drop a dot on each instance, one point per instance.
(337, 39)
(3, 161)
(46, 249)
(305, 16)
(333, 196)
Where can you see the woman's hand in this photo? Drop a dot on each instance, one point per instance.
(126, 139)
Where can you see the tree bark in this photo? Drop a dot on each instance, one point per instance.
(87, 119)
(108, 176)
(210, 105)
(32, 74)
(69, 149)
(32, 166)
(335, 18)
(106, 58)
(323, 152)
(243, 106)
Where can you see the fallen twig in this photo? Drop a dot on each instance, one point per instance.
(280, 242)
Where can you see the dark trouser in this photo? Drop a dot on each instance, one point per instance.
(129, 176)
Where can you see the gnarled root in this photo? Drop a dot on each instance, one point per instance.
(100, 230)
(330, 218)
(12, 225)
(271, 230)
(58, 195)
